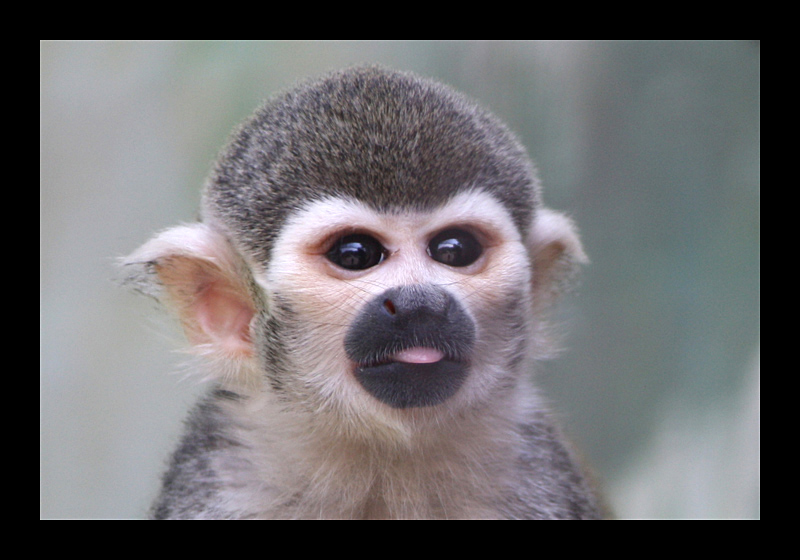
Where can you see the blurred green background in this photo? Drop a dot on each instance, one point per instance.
(653, 147)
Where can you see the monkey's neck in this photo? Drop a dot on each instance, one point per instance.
(303, 471)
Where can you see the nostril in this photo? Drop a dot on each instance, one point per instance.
(388, 305)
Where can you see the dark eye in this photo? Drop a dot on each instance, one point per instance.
(356, 252)
(455, 247)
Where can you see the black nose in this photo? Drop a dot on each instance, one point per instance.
(415, 316)
(421, 309)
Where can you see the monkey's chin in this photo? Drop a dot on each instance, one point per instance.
(410, 385)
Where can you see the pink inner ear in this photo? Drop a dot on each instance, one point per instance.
(224, 316)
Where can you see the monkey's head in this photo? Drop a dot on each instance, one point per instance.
(372, 245)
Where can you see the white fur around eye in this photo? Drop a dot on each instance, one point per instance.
(307, 228)
(308, 232)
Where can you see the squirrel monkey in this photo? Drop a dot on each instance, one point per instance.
(367, 287)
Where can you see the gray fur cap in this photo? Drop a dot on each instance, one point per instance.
(389, 139)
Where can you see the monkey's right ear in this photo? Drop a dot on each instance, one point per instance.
(194, 271)
(556, 252)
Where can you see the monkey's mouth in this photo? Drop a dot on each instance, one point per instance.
(410, 346)
(414, 377)
(416, 355)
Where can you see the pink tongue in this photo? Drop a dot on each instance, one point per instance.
(418, 356)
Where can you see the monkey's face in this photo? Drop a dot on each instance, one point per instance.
(372, 245)
(398, 309)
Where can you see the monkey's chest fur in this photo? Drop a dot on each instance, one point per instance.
(224, 469)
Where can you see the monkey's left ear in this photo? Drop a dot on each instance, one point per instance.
(556, 252)
(194, 271)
